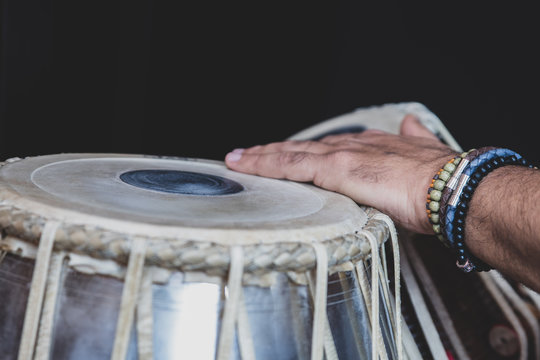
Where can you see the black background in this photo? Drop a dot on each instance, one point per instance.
(198, 79)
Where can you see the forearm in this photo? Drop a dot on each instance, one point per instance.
(503, 223)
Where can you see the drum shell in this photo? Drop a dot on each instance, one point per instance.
(186, 315)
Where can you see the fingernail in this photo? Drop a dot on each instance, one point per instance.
(234, 155)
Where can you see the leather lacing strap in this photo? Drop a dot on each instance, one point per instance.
(438, 305)
(420, 307)
(364, 289)
(145, 322)
(3, 254)
(397, 318)
(322, 339)
(54, 283)
(533, 295)
(130, 294)
(377, 344)
(37, 291)
(230, 311)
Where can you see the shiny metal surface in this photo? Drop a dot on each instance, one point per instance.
(186, 316)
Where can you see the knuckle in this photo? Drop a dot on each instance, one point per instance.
(291, 158)
(288, 145)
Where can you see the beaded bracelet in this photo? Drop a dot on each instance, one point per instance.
(453, 181)
(434, 195)
(477, 165)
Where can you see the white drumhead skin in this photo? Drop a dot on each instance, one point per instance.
(88, 189)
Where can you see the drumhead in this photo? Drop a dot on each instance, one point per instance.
(187, 197)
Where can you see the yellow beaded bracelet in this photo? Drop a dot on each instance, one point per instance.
(434, 194)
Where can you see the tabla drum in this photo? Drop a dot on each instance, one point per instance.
(115, 256)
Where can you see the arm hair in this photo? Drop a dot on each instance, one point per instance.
(503, 223)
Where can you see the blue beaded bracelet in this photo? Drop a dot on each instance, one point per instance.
(473, 171)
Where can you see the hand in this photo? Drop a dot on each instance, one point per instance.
(389, 172)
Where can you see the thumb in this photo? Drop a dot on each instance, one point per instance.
(411, 126)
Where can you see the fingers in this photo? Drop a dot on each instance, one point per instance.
(291, 145)
(297, 166)
(411, 126)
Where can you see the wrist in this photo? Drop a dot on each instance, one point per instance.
(492, 220)
(502, 225)
(455, 200)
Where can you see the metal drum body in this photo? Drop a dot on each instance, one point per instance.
(186, 317)
(141, 258)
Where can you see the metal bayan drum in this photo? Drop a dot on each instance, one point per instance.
(125, 256)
